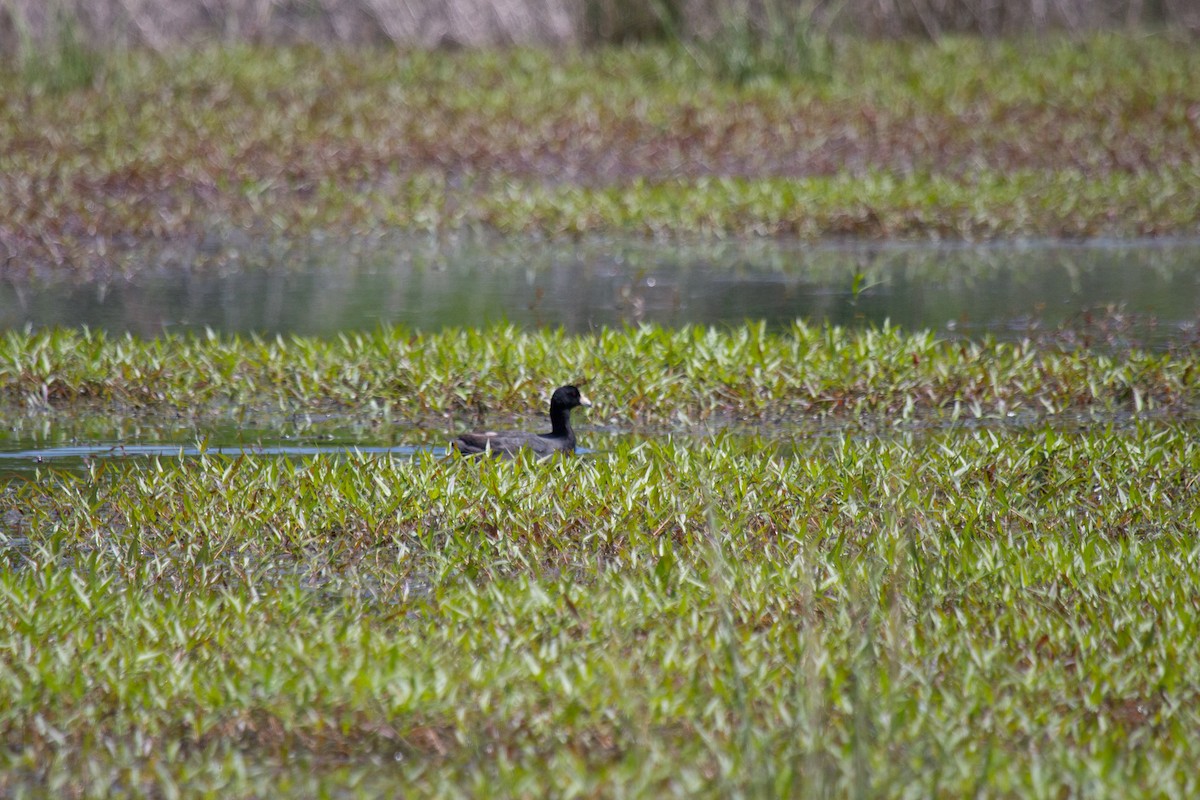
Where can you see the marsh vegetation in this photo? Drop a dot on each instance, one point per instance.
(955, 139)
(909, 612)
(790, 560)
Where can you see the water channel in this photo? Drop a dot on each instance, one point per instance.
(322, 288)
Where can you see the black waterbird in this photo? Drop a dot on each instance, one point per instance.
(560, 439)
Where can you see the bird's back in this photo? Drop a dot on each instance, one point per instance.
(510, 443)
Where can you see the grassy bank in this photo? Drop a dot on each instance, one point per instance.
(958, 139)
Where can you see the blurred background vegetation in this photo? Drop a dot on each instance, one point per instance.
(161, 120)
(55, 42)
(786, 27)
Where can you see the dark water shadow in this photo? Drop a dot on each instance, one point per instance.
(78, 456)
(74, 442)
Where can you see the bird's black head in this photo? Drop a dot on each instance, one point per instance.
(567, 397)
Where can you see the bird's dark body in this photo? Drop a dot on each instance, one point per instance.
(560, 439)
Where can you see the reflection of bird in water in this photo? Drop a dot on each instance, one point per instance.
(635, 304)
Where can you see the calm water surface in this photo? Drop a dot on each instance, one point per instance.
(321, 288)
(1146, 293)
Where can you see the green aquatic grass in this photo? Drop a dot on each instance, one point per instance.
(956, 139)
(1006, 611)
(978, 579)
(643, 376)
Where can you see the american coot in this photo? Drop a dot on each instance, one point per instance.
(507, 443)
